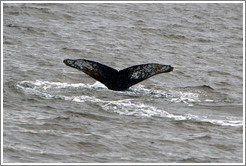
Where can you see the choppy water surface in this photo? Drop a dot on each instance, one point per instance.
(53, 113)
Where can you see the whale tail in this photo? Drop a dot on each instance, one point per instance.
(114, 79)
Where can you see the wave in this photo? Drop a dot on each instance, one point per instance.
(129, 106)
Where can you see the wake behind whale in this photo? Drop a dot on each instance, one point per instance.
(118, 80)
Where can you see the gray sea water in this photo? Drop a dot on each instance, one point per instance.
(56, 114)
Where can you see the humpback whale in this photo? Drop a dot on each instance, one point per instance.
(114, 79)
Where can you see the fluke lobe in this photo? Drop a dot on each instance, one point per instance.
(114, 79)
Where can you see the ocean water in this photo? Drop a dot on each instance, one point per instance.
(56, 114)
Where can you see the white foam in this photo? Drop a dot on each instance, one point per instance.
(188, 98)
(185, 97)
(60, 85)
(235, 123)
(128, 107)
(125, 106)
(209, 100)
(97, 85)
(221, 122)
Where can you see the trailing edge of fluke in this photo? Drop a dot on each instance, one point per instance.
(118, 80)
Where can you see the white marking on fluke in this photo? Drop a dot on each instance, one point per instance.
(118, 80)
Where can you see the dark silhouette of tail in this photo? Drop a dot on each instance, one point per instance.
(114, 79)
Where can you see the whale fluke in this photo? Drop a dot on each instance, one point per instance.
(114, 79)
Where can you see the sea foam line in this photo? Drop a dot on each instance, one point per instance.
(123, 107)
(60, 85)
